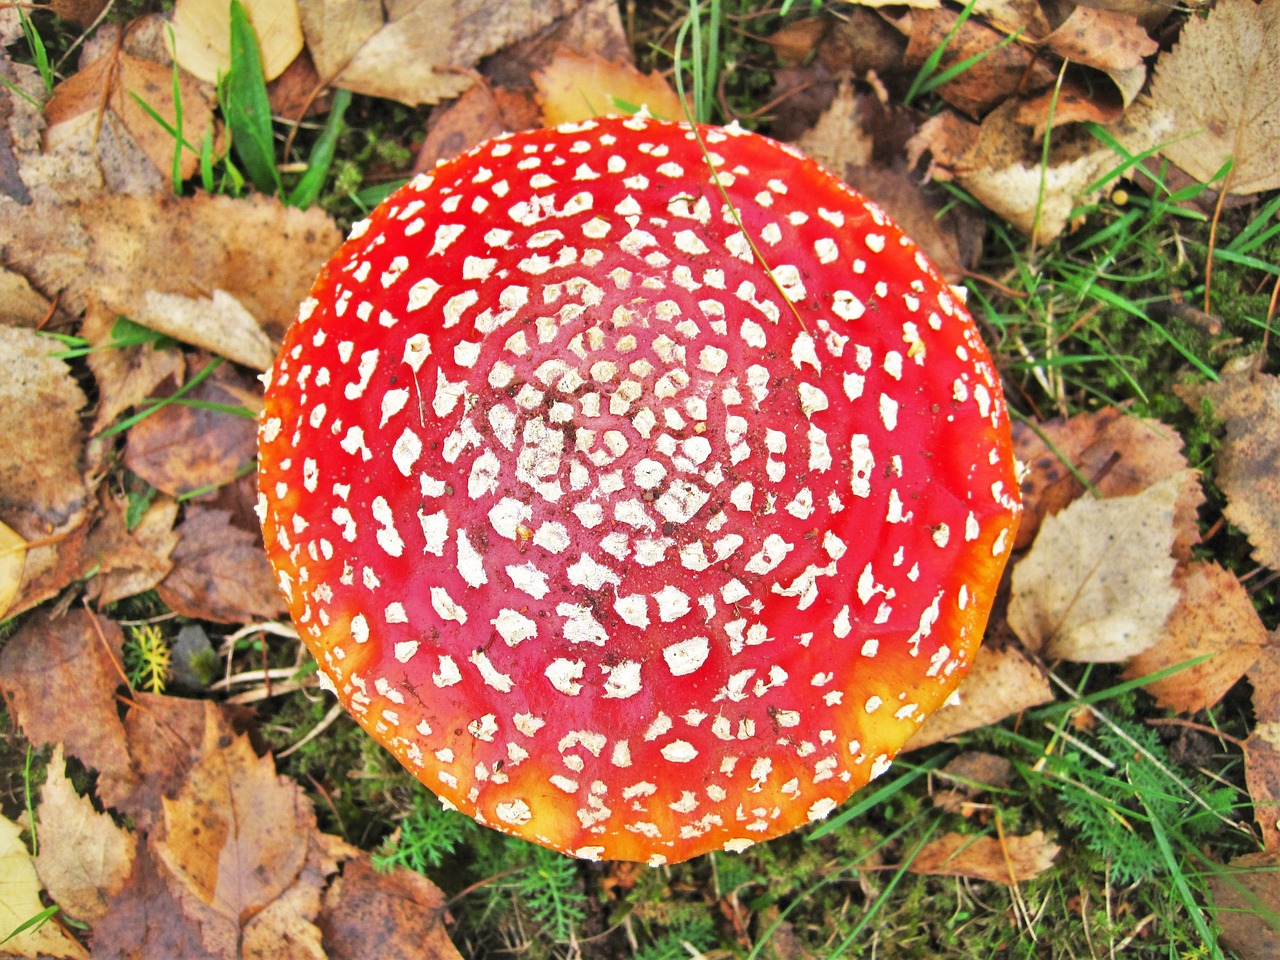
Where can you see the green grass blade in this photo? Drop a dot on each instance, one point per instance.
(243, 92)
(308, 188)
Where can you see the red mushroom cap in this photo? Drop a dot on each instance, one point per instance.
(618, 539)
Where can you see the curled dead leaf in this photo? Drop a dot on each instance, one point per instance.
(1002, 682)
(1008, 859)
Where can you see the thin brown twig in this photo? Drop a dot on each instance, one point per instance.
(1213, 237)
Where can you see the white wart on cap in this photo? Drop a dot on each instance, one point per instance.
(618, 540)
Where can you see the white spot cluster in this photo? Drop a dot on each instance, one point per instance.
(579, 494)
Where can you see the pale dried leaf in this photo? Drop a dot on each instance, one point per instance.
(127, 563)
(41, 440)
(424, 52)
(112, 250)
(1221, 87)
(20, 305)
(1001, 683)
(336, 29)
(84, 858)
(13, 557)
(1102, 39)
(1114, 453)
(839, 139)
(405, 904)
(20, 901)
(1011, 16)
(1215, 618)
(202, 35)
(1000, 163)
(117, 82)
(1248, 401)
(574, 87)
(219, 323)
(1011, 859)
(1097, 583)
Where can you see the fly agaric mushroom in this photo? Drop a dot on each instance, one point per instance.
(639, 510)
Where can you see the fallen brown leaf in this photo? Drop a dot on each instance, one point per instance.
(145, 919)
(165, 736)
(288, 925)
(1115, 453)
(41, 442)
(127, 563)
(179, 448)
(998, 74)
(21, 902)
(1248, 401)
(574, 87)
(84, 858)
(218, 323)
(424, 52)
(236, 838)
(1219, 87)
(112, 250)
(1246, 901)
(1001, 163)
(220, 572)
(972, 773)
(840, 140)
(20, 305)
(1007, 860)
(61, 675)
(404, 908)
(1102, 39)
(1097, 583)
(1262, 748)
(1001, 683)
(124, 375)
(458, 126)
(1214, 617)
(122, 83)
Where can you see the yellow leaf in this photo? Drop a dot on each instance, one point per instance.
(20, 901)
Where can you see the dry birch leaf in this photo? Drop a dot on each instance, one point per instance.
(1002, 682)
(1097, 583)
(1219, 85)
(574, 88)
(84, 858)
(236, 836)
(1102, 39)
(62, 678)
(13, 558)
(1214, 617)
(21, 901)
(426, 49)
(1012, 859)
(202, 35)
(1249, 403)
